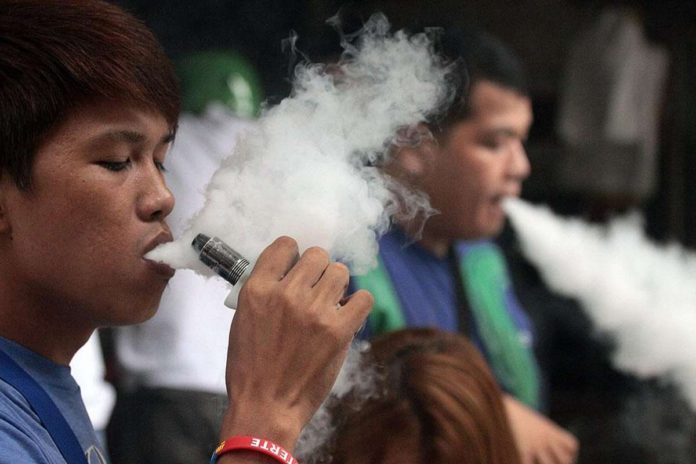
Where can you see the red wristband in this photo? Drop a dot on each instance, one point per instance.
(258, 445)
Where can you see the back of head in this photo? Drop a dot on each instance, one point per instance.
(479, 57)
(440, 405)
(58, 54)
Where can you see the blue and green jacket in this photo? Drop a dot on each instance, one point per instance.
(469, 292)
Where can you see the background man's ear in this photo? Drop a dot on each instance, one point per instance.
(414, 156)
(410, 163)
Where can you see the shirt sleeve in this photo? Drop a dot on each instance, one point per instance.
(22, 437)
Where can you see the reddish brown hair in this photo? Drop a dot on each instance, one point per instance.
(58, 54)
(441, 405)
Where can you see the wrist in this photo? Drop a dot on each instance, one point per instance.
(280, 427)
(261, 446)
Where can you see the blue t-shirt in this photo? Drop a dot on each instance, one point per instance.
(23, 439)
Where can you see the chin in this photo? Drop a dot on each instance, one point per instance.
(488, 231)
(145, 315)
(134, 311)
(497, 230)
(126, 316)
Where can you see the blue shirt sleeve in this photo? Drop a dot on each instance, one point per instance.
(22, 437)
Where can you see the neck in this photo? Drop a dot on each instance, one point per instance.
(41, 328)
(434, 243)
(439, 246)
(430, 240)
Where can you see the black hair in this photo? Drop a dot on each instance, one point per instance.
(477, 56)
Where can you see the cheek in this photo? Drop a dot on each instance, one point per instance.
(452, 189)
(86, 224)
(485, 175)
(473, 182)
(103, 204)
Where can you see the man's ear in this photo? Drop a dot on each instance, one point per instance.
(413, 160)
(4, 217)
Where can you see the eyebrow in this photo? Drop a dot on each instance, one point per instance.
(507, 132)
(134, 137)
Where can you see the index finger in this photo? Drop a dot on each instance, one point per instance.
(277, 259)
(355, 310)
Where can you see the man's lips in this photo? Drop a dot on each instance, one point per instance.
(501, 197)
(498, 200)
(161, 268)
(163, 236)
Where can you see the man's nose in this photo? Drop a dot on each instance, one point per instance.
(155, 201)
(519, 166)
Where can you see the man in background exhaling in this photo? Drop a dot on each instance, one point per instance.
(454, 277)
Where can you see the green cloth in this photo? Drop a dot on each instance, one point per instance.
(486, 282)
(485, 279)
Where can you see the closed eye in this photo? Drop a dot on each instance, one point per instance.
(493, 143)
(160, 166)
(115, 166)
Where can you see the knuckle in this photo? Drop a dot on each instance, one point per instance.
(288, 296)
(338, 334)
(316, 254)
(254, 288)
(331, 330)
(318, 308)
(316, 323)
(341, 270)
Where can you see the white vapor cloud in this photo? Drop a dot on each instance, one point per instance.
(640, 293)
(305, 171)
(358, 377)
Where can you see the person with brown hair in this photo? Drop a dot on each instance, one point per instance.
(88, 109)
(438, 403)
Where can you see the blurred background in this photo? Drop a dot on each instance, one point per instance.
(614, 130)
(542, 32)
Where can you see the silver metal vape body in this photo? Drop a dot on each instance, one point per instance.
(226, 263)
